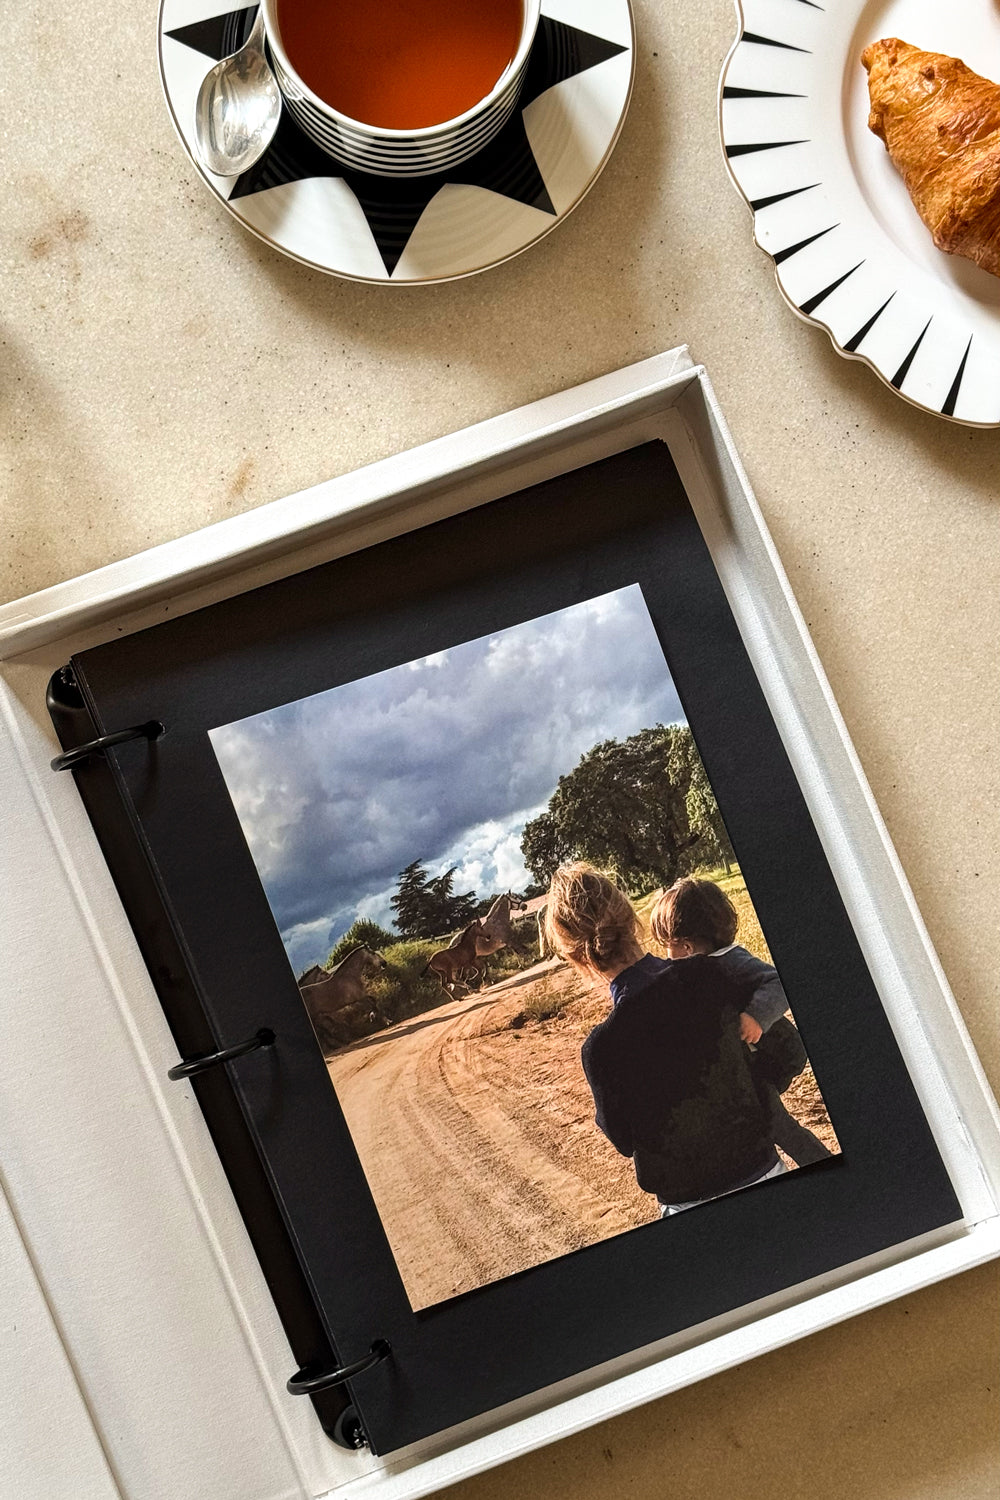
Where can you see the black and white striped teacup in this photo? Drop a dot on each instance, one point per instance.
(413, 152)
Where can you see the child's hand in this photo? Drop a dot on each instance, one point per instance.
(750, 1031)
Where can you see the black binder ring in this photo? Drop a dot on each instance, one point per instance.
(194, 1065)
(304, 1384)
(151, 730)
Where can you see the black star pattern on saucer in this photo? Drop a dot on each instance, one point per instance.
(393, 206)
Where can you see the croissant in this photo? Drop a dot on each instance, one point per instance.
(941, 125)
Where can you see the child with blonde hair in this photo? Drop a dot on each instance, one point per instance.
(697, 918)
(667, 1068)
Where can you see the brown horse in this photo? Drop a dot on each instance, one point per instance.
(456, 964)
(341, 987)
(497, 923)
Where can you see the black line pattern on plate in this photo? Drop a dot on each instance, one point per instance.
(813, 302)
(951, 400)
(865, 329)
(758, 203)
(782, 255)
(853, 344)
(729, 92)
(769, 41)
(748, 150)
(217, 36)
(904, 369)
(393, 206)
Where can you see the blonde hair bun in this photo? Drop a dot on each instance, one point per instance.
(588, 919)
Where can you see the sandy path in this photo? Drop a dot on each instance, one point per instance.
(468, 1186)
(478, 1137)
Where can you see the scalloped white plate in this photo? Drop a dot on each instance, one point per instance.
(850, 252)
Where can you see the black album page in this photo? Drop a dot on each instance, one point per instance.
(373, 780)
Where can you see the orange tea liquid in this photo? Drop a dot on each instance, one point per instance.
(401, 64)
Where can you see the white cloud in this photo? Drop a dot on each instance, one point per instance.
(307, 943)
(436, 759)
(488, 858)
(436, 660)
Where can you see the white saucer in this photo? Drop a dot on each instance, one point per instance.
(850, 251)
(429, 229)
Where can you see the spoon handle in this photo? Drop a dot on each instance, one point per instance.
(256, 37)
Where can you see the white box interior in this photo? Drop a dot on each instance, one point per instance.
(141, 1306)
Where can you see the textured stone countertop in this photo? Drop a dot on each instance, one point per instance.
(162, 369)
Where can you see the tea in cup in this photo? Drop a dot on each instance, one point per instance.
(403, 88)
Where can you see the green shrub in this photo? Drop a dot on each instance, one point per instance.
(362, 933)
(508, 961)
(402, 989)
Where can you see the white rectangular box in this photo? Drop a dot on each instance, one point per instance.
(132, 1263)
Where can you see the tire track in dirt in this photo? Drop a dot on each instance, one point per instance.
(478, 1137)
(465, 1195)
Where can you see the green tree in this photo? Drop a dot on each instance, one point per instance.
(425, 906)
(705, 820)
(641, 808)
(543, 846)
(453, 911)
(362, 933)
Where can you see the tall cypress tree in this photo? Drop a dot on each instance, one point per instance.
(425, 907)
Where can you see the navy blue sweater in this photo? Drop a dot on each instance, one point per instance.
(671, 1080)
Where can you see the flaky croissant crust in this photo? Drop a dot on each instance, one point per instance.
(941, 125)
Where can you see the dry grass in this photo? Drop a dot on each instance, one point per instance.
(545, 1001)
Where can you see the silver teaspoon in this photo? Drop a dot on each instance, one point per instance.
(238, 108)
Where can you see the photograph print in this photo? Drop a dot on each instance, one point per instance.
(525, 945)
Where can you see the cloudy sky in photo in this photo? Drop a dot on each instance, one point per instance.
(442, 760)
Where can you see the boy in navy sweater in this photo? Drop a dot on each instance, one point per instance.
(696, 918)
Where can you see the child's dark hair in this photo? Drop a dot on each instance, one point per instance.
(695, 911)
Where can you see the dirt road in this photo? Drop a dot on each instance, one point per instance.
(475, 1126)
(478, 1139)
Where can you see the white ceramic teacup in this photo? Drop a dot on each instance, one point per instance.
(415, 152)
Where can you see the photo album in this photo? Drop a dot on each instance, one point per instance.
(452, 1040)
(501, 949)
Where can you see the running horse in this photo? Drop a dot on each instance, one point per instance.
(497, 924)
(458, 963)
(341, 987)
(458, 960)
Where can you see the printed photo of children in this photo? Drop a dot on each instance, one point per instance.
(524, 941)
(688, 1067)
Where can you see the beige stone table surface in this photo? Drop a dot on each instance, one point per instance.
(162, 369)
